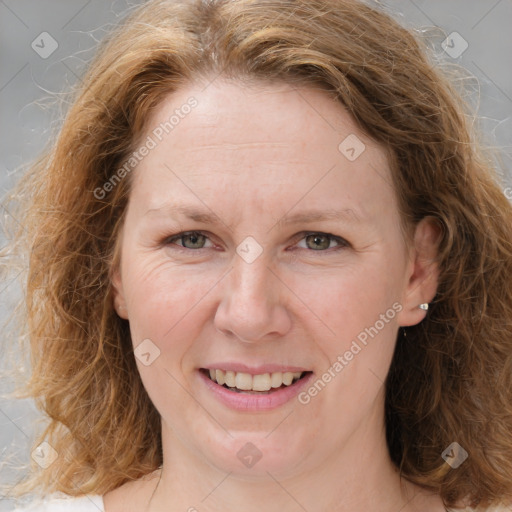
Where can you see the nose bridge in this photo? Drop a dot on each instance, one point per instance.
(253, 282)
(251, 307)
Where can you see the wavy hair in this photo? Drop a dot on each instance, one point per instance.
(451, 375)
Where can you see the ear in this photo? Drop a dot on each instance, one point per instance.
(118, 292)
(118, 295)
(422, 272)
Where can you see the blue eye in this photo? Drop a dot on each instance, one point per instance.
(315, 241)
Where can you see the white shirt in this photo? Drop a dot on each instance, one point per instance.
(59, 502)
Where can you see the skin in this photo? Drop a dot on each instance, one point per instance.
(251, 155)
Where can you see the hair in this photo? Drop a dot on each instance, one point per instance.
(451, 375)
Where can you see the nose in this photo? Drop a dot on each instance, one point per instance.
(253, 303)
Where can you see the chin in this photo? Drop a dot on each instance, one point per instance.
(253, 455)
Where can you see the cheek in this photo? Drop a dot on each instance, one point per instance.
(343, 302)
(164, 300)
(356, 332)
(355, 329)
(165, 307)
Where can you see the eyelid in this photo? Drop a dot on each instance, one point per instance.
(342, 243)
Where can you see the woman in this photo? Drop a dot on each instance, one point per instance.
(269, 270)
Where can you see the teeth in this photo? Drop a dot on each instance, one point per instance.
(261, 382)
(243, 381)
(287, 378)
(248, 382)
(276, 379)
(230, 379)
(219, 376)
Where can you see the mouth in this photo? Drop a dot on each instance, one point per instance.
(246, 383)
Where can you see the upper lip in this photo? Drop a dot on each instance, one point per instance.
(254, 370)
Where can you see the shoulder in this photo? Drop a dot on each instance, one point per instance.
(59, 502)
(495, 508)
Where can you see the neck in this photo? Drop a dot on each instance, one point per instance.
(360, 476)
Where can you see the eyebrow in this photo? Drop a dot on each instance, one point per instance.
(347, 215)
(190, 212)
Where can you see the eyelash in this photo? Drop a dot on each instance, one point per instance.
(343, 244)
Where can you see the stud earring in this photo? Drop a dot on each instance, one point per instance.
(424, 306)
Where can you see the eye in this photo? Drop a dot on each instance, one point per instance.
(189, 240)
(317, 241)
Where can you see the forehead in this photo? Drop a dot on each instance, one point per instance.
(274, 142)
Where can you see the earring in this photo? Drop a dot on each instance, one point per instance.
(424, 306)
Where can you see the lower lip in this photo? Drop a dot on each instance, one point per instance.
(252, 402)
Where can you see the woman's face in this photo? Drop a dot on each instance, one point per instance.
(293, 263)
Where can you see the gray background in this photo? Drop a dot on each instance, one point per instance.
(30, 80)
